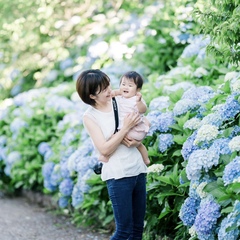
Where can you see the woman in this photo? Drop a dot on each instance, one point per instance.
(125, 170)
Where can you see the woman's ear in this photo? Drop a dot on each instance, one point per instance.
(92, 96)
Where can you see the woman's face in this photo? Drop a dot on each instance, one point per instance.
(104, 95)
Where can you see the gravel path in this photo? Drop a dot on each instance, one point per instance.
(22, 220)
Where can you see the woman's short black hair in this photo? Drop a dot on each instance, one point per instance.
(136, 77)
(91, 82)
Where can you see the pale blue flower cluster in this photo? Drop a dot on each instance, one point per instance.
(71, 135)
(159, 103)
(43, 147)
(214, 118)
(165, 141)
(202, 94)
(59, 104)
(201, 160)
(17, 125)
(188, 146)
(153, 119)
(10, 160)
(229, 228)
(231, 171)
(206, 219)
(185, 105)
(27, 97)
(195, 47)
(80, 188)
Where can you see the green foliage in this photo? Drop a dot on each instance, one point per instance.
(220, 20)
(166, 36)
(96, 209)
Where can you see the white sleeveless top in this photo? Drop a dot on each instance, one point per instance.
(124, 162)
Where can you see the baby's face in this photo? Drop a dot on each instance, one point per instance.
(128, 88)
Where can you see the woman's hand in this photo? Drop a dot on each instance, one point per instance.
(131, 120)
(129, 142)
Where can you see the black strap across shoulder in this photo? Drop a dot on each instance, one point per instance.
(115, 109)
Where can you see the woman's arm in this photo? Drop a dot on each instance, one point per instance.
(107, 147)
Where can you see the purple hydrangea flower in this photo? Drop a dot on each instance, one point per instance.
(206, 219)
(188, 211)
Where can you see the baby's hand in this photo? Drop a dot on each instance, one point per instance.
(138, 96)
(113, 93)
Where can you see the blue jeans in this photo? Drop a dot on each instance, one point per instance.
(128, 197)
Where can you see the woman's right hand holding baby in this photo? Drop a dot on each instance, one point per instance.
(131, 120)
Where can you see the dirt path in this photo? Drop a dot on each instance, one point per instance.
(22, 220)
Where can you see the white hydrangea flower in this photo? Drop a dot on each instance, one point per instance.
(230, 75)
(235, 86)
(192, 232)
(157, 168)
(200, 72)
(193, 124)
(202, 194)
(234, 144)
(206, 133)
(236, 180)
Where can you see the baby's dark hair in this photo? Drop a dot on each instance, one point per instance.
(136, 77)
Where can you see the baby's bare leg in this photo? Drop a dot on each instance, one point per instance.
(142, 149)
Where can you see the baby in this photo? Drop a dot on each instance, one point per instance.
(130, 99)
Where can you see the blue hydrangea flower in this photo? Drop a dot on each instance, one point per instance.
(188, 146)
(193, 49)
(153, 119)
(165, 141)
(66, 187)
(59, 104)
(230, 109)
(221, 146)
(214, 118)
(3, 140)
(188, 211)
(231, 221)
(80, 188)
(165, 120)
(202, 94)
(235, 131)
(9, 160)
(43, 147)
(47, 169)
(159, 103)
(68, 62)
(16, 125)
(201, 160)
(71, 135)
(206, 219)
(63, 201)
(231, 171)
(185, 105)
